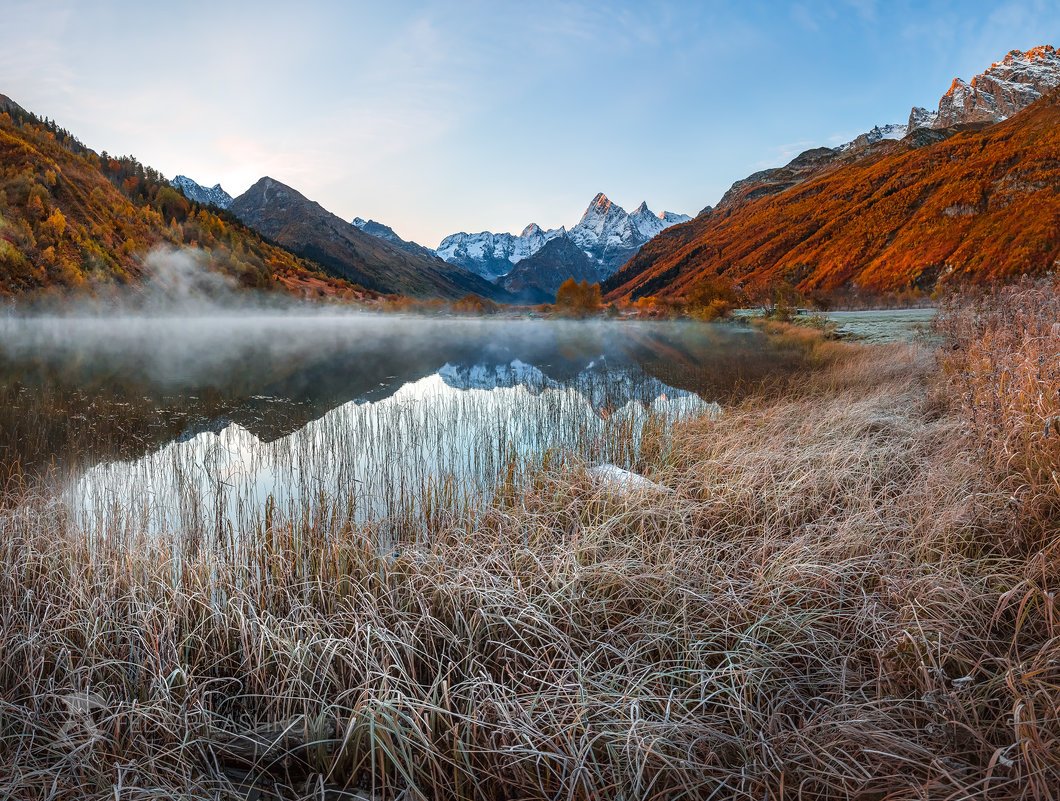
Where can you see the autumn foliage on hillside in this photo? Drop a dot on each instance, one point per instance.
(978, 206)
(70, 217)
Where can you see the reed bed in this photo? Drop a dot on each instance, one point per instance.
(840, 592)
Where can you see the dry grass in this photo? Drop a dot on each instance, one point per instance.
(839, 597)
(1004, 371)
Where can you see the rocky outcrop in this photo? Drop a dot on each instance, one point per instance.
(1007, 87)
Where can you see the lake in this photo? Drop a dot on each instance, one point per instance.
(206, 425)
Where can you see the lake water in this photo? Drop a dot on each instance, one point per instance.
(207, 424)
(883, 325)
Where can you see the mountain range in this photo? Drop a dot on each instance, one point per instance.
(307, 229)
(967, 191)
(73, 218)
(606, 233)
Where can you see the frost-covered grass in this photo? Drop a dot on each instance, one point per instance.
(846, 592)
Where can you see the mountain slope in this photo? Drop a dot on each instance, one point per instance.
(979, 205)
(306, 228)
(70, 217)
(539, 276)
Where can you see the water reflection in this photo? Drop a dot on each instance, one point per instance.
(199, 424)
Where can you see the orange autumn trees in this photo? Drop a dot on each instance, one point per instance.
(578, 299)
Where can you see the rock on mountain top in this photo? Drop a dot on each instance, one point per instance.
(1005, 88)
(209, 196)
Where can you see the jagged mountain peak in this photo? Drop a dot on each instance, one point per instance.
(606, 233)
(957, 85)
(1003, 89)
(601, 208)
(211, 196)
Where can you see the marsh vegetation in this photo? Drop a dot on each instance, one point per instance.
(842, 587)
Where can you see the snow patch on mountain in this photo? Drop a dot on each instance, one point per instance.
(194, 191)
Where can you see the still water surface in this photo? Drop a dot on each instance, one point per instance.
(214, 423)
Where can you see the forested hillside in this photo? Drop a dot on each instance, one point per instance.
(70, 217)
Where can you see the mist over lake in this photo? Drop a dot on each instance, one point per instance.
(199, 421)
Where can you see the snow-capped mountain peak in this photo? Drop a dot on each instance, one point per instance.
(606, 233)
(599, 212)
(211, 196)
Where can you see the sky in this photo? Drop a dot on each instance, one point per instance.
(437, 117)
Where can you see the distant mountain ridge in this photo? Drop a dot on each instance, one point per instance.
(208, 196)
(385, 232)
(307, 229)
(493, 255)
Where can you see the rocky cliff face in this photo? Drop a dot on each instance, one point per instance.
(1005, 88)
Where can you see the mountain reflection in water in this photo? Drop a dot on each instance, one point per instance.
(199, 423)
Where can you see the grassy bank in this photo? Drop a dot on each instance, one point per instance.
(846, 591)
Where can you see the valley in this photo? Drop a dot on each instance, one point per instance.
(760, 503)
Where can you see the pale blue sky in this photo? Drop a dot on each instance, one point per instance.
(435, 117)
